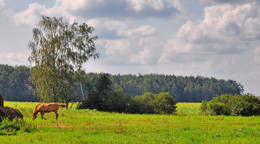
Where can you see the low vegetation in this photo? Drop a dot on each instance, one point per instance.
(227, 104)
(15, 126)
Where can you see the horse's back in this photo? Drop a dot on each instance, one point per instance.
(48, 107)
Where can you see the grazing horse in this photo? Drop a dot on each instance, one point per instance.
(47, 107)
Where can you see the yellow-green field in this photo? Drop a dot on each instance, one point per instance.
(90, 126)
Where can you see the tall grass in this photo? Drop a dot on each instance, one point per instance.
(91, 126)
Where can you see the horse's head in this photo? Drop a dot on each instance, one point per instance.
(34, 115)
(35, 112)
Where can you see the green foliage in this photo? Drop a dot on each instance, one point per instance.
(150, 103)
(58, 51)
(102, 97)
(15, 84)
(183, 89)
(99, 90)
(8, 127)
(226, 104)
(145, 103)
(164, 103)
(119, 101)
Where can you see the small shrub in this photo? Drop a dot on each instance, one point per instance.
(8, 127)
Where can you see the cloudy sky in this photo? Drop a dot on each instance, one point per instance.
(211, 38)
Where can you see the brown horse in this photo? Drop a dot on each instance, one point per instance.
(47, 107)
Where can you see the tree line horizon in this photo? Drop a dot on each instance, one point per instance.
(16, 86)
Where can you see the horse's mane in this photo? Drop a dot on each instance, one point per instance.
(36, 107)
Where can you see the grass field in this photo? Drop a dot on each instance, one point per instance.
(90, 126)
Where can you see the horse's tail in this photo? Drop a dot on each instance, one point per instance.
(62, 105)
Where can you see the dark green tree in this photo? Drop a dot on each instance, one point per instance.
(119, 101)
(99, 89)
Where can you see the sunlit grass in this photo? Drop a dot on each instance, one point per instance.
(91, 126)
(188, 108)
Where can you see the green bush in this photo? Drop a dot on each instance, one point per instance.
(227, 104)
(8, 127)
(149, 103)
(164, 103)
(144, 103)
(218, 108)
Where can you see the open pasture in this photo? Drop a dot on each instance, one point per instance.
(91, 126)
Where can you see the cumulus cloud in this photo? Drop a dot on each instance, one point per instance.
(31, 16)
(121, 8)
(131, 49)
(121, 39)
(225, 29)
(98, 9)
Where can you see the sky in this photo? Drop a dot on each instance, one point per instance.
(209, 38)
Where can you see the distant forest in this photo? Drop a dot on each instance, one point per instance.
(16, 86)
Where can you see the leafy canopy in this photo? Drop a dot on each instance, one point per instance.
(58, 51)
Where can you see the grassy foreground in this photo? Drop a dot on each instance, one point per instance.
(90, 126)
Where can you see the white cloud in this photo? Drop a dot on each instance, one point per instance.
(73, 5)
(155, 4)
(133, 50)
(116, 47)
(31, 16)
(226, 29)
(13, 58)
(113, 9)
(2, 4)
(144, 30)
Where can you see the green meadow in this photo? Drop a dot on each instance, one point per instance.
(90, 126)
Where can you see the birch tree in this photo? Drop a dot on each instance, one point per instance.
(58, 51)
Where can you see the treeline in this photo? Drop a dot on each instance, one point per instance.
(183, 89)
(16, 86)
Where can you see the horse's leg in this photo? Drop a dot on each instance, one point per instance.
(57, 115)
(42, 113)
